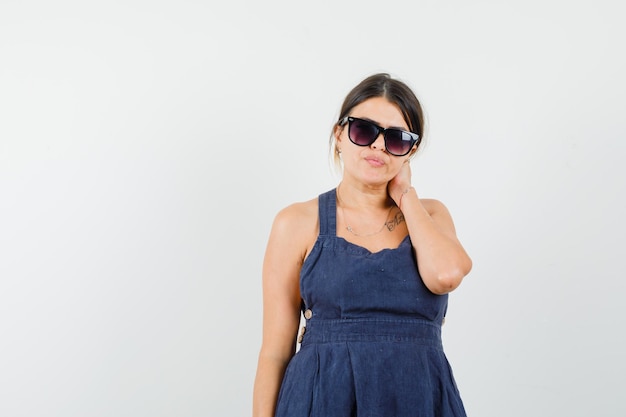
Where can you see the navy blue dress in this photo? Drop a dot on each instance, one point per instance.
(372, 346)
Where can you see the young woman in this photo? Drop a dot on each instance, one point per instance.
(369, 264)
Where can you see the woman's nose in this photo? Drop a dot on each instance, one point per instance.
(379, 143)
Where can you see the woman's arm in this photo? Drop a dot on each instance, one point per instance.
(284, 255)
(441, 259)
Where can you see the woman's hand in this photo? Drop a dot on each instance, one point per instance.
(400, 183)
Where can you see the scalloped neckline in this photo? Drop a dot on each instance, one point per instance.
(369, 252)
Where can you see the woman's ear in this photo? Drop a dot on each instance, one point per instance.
(337, 132)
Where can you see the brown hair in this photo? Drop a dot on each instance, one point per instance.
(395, 91)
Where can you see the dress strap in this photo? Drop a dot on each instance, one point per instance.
(328, 213)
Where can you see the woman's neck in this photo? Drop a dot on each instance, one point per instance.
(361, 196)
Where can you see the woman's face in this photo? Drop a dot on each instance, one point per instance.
(372, 165)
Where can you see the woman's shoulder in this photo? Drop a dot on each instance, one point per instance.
(296, 226)
(433, 205)
(438, 211)
(298, 217)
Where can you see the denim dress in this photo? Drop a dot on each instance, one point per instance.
(372, 341)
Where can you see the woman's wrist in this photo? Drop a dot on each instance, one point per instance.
(404, 193)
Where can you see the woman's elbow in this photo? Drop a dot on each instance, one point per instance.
(449, 279)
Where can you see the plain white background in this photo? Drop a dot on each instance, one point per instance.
(145, 148)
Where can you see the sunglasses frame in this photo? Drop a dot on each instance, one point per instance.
(415, 138)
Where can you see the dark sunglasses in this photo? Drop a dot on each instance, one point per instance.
(363, 133)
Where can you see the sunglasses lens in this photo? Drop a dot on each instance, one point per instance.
(362, 132)
(398, 143)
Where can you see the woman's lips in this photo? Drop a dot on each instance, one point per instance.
(374, 161)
